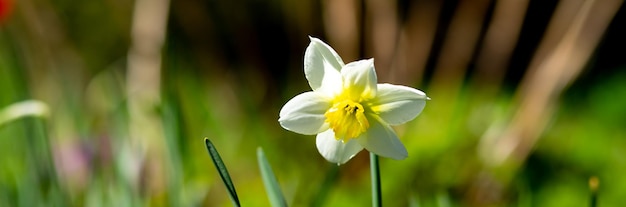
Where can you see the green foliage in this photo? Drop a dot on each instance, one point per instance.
(272, 188)
(221, 168)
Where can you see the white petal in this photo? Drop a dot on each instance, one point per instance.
(334, 150)
(360, 79)
(382, 140)
(322, 66)
(398, 104)
(304, 113)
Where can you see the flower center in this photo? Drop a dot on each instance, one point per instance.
(347, 119)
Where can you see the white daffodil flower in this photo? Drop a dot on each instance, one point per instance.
(347, 109)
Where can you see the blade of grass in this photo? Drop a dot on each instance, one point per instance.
(594, 183)
(443, 199)
(221, 168)
(171, 134)
(22, 109)
(375, 173)
(274, 193)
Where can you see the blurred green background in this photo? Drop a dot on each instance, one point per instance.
(528, 101)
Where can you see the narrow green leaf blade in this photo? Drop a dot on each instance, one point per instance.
(221, 168)
(22, 109)
(274, 193)
(594, 183)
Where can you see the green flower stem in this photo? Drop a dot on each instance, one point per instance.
(377, 200)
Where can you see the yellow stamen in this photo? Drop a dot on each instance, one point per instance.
(347, 119)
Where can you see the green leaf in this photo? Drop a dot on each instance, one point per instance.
(594, 183)
(221, 168)
(23, 109)
(274, 193)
